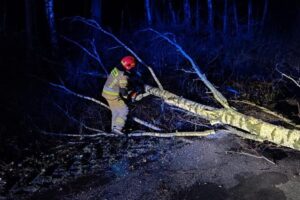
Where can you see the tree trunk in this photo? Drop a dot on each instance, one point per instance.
(187, 12)
(96, 8)
(225, 17)
(250, 17)
(172, 12)
(210, 17)
(197, 15)
(256, 127)
(49, 7)
(236, 17)
(266, 7)
(148, 12)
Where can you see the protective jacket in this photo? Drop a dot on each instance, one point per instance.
(116, 83)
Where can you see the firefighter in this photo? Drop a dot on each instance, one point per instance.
(115, 91)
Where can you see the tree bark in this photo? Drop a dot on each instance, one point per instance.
(225, 17)
(49, 7)
(266, 7)
(172, 12)
(236, 17)
(250, 10)
(148, 12)
(187, 12)
(197, 15)
(210, 17)
(256, 127)
(96, 8)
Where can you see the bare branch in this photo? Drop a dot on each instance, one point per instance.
(94, 55)
(175, 134)
(254, 156)
(279, 116)
(79, 95)
(146, 124)
(290, 78)
(142, 134)
(94, 24)
(217, 95)
(243, 134)
(76, 120)
(78, 135)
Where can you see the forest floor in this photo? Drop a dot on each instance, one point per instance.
(217, 167)
(214, 168)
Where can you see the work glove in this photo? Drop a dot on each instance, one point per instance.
(140, 96)
(132, 96)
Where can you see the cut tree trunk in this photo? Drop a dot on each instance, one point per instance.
(261, 130)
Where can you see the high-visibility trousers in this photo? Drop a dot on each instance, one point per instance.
(119, 111)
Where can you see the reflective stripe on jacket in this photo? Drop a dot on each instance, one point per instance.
(116, 80)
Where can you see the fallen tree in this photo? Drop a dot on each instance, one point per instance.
(255, 129)
(259, 129)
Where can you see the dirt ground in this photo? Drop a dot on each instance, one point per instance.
(218, 167)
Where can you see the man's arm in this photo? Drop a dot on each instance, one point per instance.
(123, 83)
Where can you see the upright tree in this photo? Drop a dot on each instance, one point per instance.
(96, 8)
(187, 12)
(250, 13)
(236, 17)
(265, 12)
(49, 8)
(225, 17)
(210, 16)
(172, 12)
(197, 15)
(148, 12)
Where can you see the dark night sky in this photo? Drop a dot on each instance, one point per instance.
(282, 14)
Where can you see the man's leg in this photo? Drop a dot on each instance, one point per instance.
(122, 112)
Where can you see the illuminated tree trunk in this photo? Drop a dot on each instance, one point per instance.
(236, 17)
(250, 17)
(198, 18)
(148, 12)
(210, 16)
(172, 12)
(225, 17)
(49, 7)
(266, 7)
(96, 10)
(256, 128)
(187, 12)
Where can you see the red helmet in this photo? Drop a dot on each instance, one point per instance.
(128, 62)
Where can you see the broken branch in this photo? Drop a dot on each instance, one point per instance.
(217, 95)
(94, 24)
(175, 134)
(269, 112)
(67, 90)
(94, 55)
